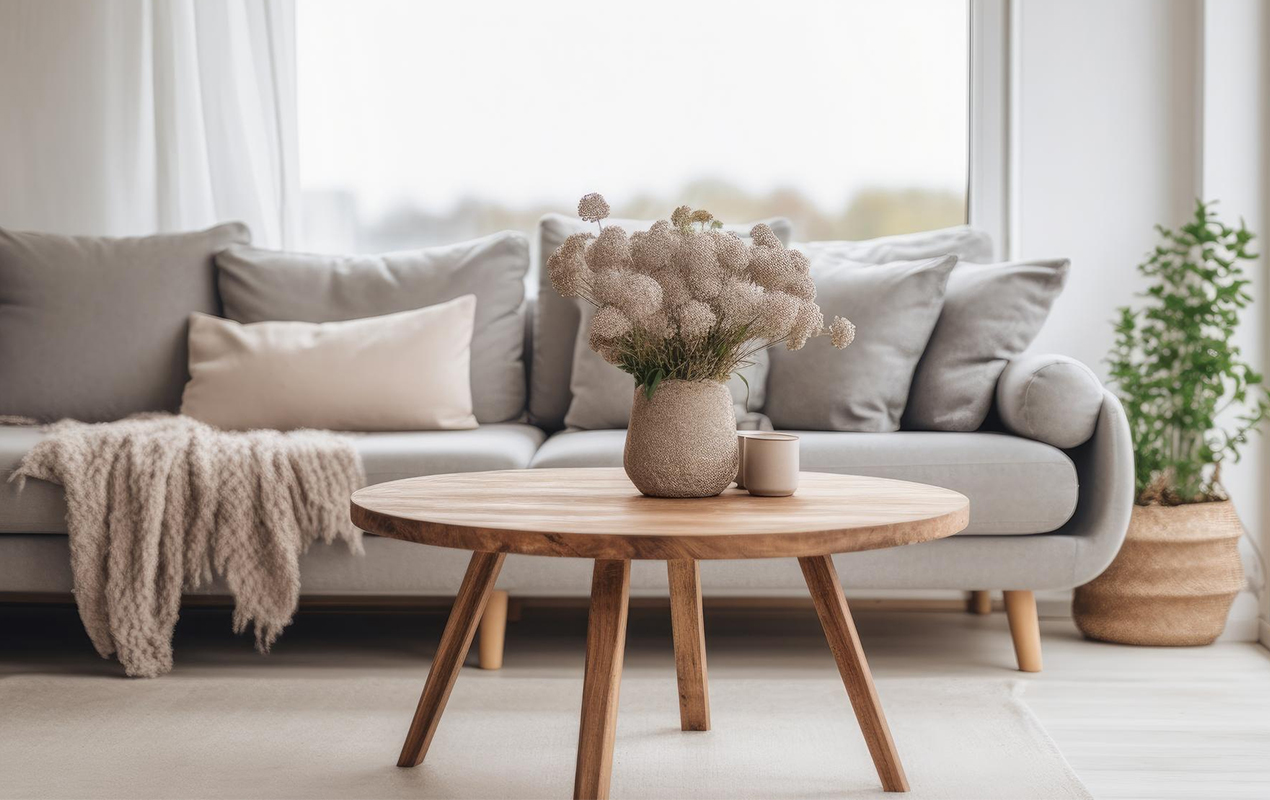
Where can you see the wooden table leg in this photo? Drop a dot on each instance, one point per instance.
(690, 644)
(605, 645)
(482, 571)
(835, 618)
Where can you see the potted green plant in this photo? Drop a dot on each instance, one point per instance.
(1192, 402)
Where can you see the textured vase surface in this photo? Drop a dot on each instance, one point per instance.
(682, 441)
(1173, 581)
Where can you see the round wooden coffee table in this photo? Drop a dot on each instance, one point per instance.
(598, 514)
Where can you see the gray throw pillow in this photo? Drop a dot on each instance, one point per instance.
(267, 285)
(865, 387)
(992, 312)
(94, 328)
(603, 394)
(556, 318)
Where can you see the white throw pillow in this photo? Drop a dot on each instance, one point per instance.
(397, 372)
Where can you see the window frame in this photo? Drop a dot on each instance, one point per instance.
(990, 172)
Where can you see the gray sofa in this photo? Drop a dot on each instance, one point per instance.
(1042, 516)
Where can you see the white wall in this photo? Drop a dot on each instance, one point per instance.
(1106, 148)
(1123, 113)
(1236, 169)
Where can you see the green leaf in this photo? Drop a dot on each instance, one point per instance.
(654, 383)
(746, 381)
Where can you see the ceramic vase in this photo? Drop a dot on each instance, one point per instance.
(682, 441)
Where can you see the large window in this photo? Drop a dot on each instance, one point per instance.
(423, 123)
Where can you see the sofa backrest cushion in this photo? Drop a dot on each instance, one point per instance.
(267, 285)
(94, 328)
(991, 313)
(963, 241)
(557, 318)
(865, 387)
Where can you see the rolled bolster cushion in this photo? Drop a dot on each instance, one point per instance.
(1051, 399)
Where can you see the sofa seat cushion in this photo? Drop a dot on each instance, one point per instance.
(1015, 485)
(392, 456)
(41, 506)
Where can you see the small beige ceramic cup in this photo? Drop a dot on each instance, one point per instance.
(741, 436)
(771, 464)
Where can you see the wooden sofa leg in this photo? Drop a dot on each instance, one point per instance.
(979, 602)
(493, 631)
(515, 609)
(1025, 629)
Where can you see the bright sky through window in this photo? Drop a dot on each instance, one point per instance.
(427, 122)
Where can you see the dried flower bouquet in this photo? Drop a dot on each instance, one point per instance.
(686, 300)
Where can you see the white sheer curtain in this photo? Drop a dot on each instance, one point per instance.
(135, 116)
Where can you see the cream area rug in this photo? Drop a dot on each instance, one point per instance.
(507, 737)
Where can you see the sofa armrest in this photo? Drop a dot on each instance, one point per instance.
(1104, 469)
(1049, 398)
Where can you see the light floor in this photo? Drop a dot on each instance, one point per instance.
(1133, 722)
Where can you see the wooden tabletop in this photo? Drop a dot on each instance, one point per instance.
(598, 513)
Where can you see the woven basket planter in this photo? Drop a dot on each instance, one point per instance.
(1173, 581)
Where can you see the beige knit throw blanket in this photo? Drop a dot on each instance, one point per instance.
(161, 503)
